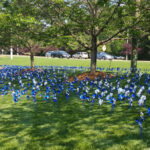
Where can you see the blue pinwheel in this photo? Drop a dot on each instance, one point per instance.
(55, 99)
(28, 97)
(148, 111)
(34, 99)
(148, 91)
(113, 101)
(140, 121)
(87, 99)
(82, 97)
(93, 99)
(15, 97)
(46, 97)
(94, 96)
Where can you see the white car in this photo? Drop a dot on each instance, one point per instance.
(48, 54)
(80, 55)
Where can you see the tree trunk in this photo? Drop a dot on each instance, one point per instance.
(93, 54)
(134, 61)
(135, 42)
(134, 55)
(32, 59)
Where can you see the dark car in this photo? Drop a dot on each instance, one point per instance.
(104, 55)
(60, 54)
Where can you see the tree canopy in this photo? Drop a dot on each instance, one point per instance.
(74, 24)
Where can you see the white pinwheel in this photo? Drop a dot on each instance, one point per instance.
(100, 101)
(97, 91)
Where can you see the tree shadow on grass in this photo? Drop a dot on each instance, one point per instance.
(70, 126)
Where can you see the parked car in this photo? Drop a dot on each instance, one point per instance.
(48, 54)
(104, 55)
(80, 55)
(60, 54)
(119, 57)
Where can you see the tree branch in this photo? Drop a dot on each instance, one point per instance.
(120, 31)
(109, 19)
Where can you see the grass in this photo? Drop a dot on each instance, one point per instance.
(72, 126)
(42, 61)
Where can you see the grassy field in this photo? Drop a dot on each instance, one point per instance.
(42, 61)
(72, 126)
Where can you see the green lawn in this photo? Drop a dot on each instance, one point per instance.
(72, 126)
(43, 61)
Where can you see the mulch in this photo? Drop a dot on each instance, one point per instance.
(97, 74)
(80, 77)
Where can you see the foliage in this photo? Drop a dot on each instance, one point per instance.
(99, 22)
(116, 47)
(127, 49)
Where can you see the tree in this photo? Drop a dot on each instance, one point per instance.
(5, 30)
(99, 21)
(141, 10)
(25, 26)
(127, 49)
(144, 38)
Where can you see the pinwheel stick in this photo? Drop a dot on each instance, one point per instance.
(112, 108)
(82, 102)
(141, 131)
(145, 103)
(67, 98)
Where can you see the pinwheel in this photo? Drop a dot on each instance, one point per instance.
(55, 99)
(78, 90)
(120, 90)
(128, 81)
(67, 95)
(142, 101)
(87, 99)
(87, 89)
(133, 96)
(28, 97)
(82, 97)
(130, 102)
(100, 101)
(140, 121)
(148, 111)
(113, 103)
(97, 91)
(93, 99)
(34, 99)
(15, 97)
(126, 87)
(46, 97)
(148, 91)
(142, 118)
(127, 94)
